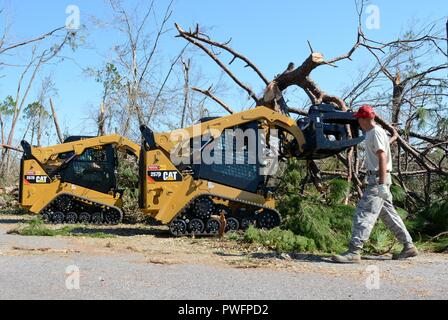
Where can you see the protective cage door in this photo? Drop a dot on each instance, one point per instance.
(237, 167)
(93, 169)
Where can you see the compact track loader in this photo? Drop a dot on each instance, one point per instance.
(197, 196)
(74, 181)
(214, 176)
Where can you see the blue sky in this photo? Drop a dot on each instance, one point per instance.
(270, 33)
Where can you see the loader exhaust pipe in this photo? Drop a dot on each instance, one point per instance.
(148, 137)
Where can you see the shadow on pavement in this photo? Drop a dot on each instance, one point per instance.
(304, 257)
(12, 220)
(122, 231)
(377, 258)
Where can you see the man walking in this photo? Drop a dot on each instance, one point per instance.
(377, 199)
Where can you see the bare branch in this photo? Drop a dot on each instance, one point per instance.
(159, 93)
(186, 69)
(166, 17)
(56, 123)
(236, 55)
(209, 94)
(187, 36)
(23, 43)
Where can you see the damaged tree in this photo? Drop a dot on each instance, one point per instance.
(26, 80)
(404, 90)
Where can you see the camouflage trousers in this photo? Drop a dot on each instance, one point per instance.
(369, 208)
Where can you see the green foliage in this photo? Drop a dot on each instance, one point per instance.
(381, 239)
(127, 180)
(440, 188)
(442, 127)
(235, 236)
(279, 240)
(110, 78)
(318, 218)
(421, 115)
(402, 213)
(329, 226)
(439, 245)
(9, 203)
(292, 177)
(7, 106)
(132, 213)
(35, 110)
(339, 189)
(316, 222)
(36, 227)
(127, 171)
(399, 195)
(431, 220)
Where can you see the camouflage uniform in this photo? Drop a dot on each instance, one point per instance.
(369, 208)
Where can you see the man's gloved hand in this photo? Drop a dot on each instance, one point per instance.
(384, 192)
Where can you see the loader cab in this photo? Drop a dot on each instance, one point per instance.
(231, 159)
(93, 169)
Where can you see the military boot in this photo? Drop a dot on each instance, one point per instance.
(409, 251)
(353, 255)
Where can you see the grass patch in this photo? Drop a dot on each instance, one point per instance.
(439, 246)
(36, 227)
(234, 236)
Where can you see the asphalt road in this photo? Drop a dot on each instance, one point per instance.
(35, 268)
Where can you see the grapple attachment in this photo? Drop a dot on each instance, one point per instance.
(325, 131)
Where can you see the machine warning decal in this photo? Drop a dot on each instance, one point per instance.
(37, 179)
(164, 176)
(156, 167)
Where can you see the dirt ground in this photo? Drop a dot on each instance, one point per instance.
(143, 261)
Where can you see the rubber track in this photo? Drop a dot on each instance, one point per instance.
(219, 197)
(83, 200)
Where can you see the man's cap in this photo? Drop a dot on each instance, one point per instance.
(366, 112)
